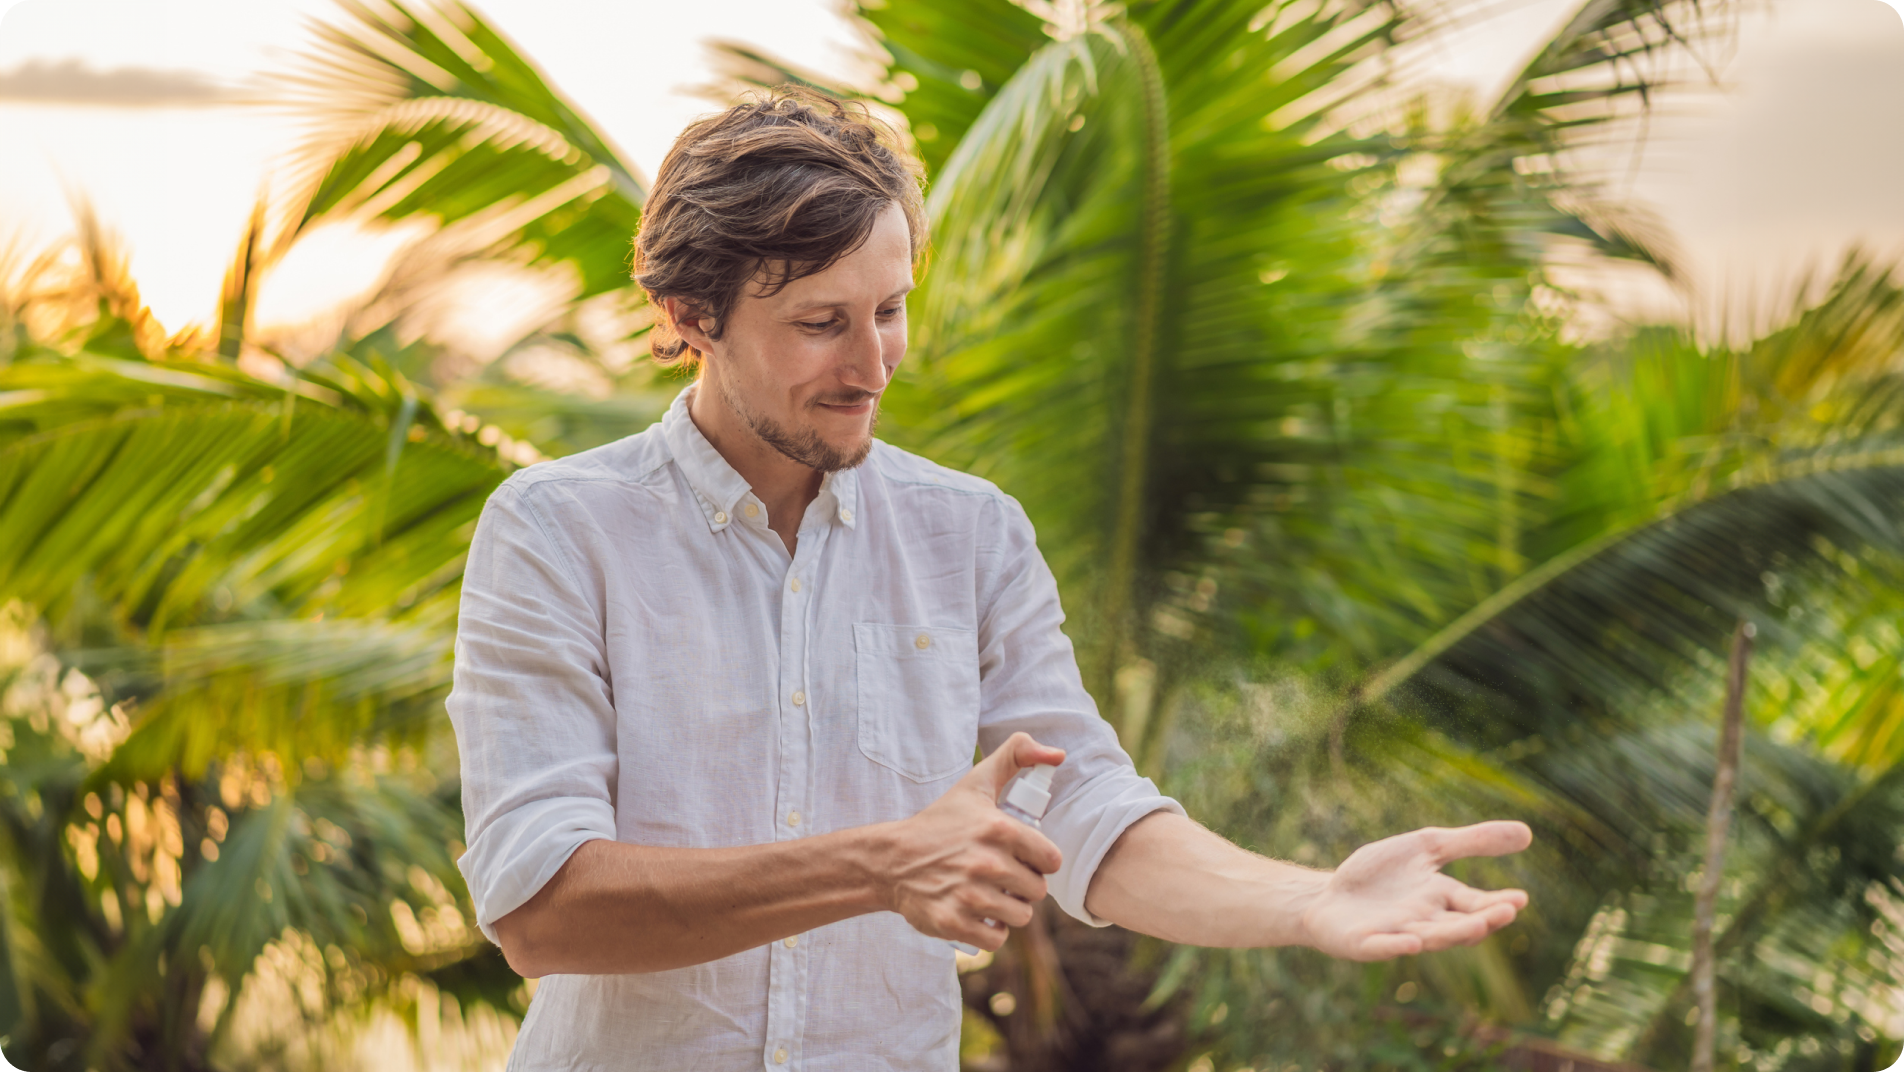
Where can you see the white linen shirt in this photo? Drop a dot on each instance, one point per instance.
(639, 658)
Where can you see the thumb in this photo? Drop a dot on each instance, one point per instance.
(1018, 751)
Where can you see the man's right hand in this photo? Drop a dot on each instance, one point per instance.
(962, 861)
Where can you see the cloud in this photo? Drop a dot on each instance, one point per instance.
(72, 82)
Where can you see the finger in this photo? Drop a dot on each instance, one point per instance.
(1454, 929)
(1387, 947)
(1019, 750)
(975, 931)
(1019, 881)
(992, 935)
(1501, 915)
(1017, 845)
(1466, 898)
(981, 902)
(1003, 908)
(1496, 915)
(1496, 838)
(1035, 850)
(1438, 936)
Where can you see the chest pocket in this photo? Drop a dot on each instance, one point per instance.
(918, 697)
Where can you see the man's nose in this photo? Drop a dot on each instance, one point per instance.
(865, 357)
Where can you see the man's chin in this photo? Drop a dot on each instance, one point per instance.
(844, 448)
(811, 449)
(848, 453)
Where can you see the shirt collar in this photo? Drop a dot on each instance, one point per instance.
(844, 486)
(720, 489)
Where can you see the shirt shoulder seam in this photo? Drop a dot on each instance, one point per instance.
(542, 526)
(977, 492)
(529, 478)
(990, 491)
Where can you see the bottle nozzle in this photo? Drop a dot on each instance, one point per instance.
(1030, 792)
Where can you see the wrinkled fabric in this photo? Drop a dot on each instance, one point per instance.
(639, 658)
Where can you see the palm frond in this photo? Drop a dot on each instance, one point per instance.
(426, 109)
(956, 58)
(1081, 318)
(160, 509)
(1707, 483)
(293, 688)
(275, 564)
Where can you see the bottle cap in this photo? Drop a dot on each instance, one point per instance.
(1030, 792)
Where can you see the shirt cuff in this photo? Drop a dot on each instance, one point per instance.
(1087, 822)
(520, 851)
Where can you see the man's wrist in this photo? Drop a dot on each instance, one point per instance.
(1310, 889)
(868, 856)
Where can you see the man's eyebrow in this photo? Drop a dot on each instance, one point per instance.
(822, 303)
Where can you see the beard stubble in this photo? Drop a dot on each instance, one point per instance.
(805, 445)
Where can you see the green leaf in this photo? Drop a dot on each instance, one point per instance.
(159, 508)
(430, 111)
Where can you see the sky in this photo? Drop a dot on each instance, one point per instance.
(1792, 155)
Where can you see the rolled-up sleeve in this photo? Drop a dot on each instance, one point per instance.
(1029, 681)
(532, 707)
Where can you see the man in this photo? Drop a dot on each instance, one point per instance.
(719, 684)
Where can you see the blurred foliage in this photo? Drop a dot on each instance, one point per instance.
(229, 605)
(1358, 531)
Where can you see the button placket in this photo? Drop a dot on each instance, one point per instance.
(787, 959)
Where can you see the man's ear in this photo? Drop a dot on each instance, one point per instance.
(691, 328)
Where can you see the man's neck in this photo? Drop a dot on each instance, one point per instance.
(785, 487)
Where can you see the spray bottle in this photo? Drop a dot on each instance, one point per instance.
(1025, 799)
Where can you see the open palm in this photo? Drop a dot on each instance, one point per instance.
(1390, 899)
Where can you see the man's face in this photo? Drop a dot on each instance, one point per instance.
(804, 368)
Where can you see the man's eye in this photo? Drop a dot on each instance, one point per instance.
(819, 325)
(892, 312)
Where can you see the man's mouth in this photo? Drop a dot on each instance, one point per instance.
(848, 406)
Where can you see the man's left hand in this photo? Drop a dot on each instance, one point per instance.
(1390, 899)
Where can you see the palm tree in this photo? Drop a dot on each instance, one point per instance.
(1703, 485)
(1759, 485)
(229, 604)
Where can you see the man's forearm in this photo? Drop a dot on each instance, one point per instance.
(616, 908)
(958, 869)
(1169, 877)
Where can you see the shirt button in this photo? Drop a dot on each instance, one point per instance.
(720, 518)
(799, 698)
(793, 818)
(792, 941)
(922, 642)
(752, 510)
(780, 1056)
(846, 515)
(796, 584)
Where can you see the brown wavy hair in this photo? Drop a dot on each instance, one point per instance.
(774, 189)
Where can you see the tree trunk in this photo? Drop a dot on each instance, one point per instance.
(1718, 825)
(1077, 1003)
